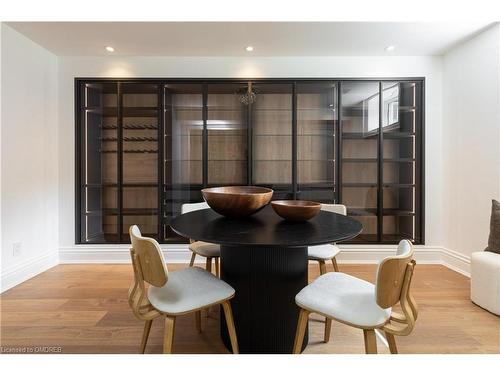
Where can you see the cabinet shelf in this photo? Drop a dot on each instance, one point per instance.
(359, 160)
(125, 211)
(130, 127)
(130, 151)
(125, 185)
(357, 211)
(130, 139)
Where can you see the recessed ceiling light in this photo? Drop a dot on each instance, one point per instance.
(110, 49)
(390, 48)
(249, 49)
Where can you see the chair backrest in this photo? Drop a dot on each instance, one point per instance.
(335, 208)
(147, 259)
(391, 274)
(188, 207)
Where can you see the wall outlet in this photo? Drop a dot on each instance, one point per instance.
(16, 249)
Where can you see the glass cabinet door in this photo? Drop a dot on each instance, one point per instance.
(399, 123)
(359, 172)
(99, 163)
(227, 132)
(271, 117)
(140, 131)
(316, 128)
(183, 151)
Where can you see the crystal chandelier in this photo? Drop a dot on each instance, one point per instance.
(247, 95)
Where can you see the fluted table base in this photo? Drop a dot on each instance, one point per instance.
(266, 280)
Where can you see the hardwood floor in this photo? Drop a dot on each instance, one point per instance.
(84, 309)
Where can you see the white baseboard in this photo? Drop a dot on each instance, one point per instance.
(456, 261)
(20, 272)
(351, 254)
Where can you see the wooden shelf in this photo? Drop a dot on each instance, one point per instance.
(130, 127)
(357, 211)
(359, 160)
(125, 211)
(360, 184)
(130, 139)
(130, 151)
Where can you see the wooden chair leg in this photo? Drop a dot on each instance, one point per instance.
(226, 305)
(168, 336)
(370, 341)
(392, 343)
(322, 267)
(328, 329)
(197, 317)
(208, 265)
(145, 335)
(301, 330)
(335, 265)
(217, 267)
(193, 257)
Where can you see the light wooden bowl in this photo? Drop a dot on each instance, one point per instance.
(237, 201)
(296, 210)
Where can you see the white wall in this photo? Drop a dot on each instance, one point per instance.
(29, 189)
(428, 67)
(471, 125)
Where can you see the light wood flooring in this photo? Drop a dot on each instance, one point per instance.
(84, 309)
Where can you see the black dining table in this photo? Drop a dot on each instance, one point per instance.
(264, 258)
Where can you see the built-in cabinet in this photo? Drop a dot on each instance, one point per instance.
(144, 147)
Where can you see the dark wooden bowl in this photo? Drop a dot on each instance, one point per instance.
(295, 210)
(237, 201)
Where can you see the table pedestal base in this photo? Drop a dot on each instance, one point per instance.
(266, 280)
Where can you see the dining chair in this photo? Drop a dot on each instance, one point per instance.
(156, 292)
(361, 304)
(328, 252)
(211, 251)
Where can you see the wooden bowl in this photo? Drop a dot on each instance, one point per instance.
(295, 210)
(237, 201)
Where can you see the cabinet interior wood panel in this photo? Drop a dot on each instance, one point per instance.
(365, 172)
(140, 197)
(147, 223)
(140, 100)
(188, 172)
(140, 167)
(273, 148)
(313, 147)
(360, 197)
(314, 172)
(272, 172)
(109, 100)
(231, 172)
(360, 148)
(232, 145)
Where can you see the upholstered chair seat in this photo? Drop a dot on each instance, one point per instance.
(323, 252)
(156, 292)
(361, 304)
(328, 252)
(343, 298)
(205, 249)
(187, 290)
(210, 251)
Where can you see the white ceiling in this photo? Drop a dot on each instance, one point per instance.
(230, 39)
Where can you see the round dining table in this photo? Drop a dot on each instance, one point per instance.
(264, 258)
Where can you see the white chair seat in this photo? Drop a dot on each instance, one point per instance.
(187, 290)
(344, 298)
(205, 249)
(322, 252)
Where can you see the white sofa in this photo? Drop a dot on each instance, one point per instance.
(485, 280)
